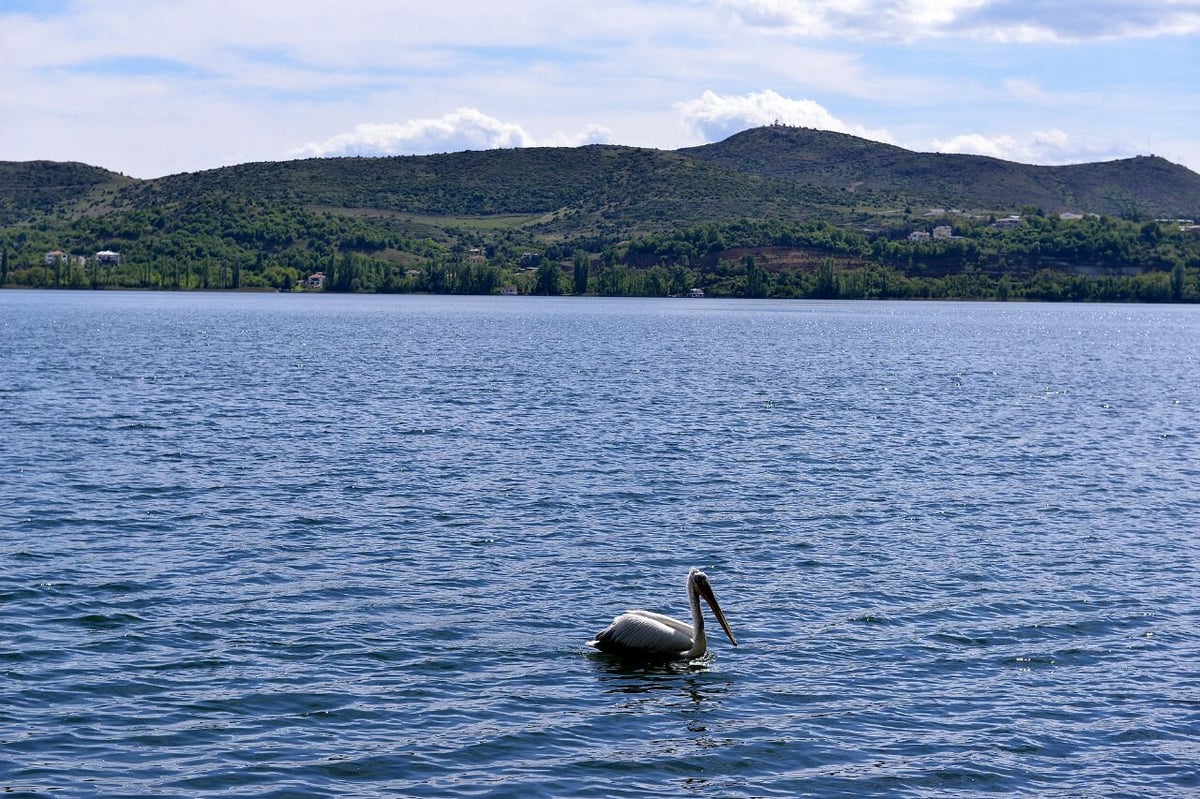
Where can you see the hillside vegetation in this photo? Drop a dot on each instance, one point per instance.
(48, 187)
(1142, 187)
(774, 211)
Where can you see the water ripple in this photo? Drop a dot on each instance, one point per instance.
(281, 545)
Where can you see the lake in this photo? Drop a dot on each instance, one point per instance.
(305, 544)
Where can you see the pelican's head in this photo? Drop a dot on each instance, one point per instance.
(698, 582)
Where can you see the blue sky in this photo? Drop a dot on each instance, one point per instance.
(156, 87)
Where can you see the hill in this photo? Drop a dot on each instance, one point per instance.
(31, 187)
(1132, 187)
(592, 190)
(774, 211)
(779, 172)
(771, 172)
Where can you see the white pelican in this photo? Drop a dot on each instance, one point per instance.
(640, 633)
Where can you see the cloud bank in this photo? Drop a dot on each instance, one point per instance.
(1051, 146)
(197, 89)
(711, 117)
(995, 20)
(715, 117)
(462, 129)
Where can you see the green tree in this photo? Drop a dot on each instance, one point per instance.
(657, 281)
(346, 273)
(548, 278)
(826, 287)
(755, 277)
(582, 267)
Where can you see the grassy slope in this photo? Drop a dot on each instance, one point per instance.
(47, 187)
(573, 190)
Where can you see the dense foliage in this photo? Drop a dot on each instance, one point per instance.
(254, 246)
(1095, 258)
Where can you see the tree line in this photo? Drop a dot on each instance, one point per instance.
(219, 243)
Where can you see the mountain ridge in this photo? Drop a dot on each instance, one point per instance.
(782, 172)
(838, 160)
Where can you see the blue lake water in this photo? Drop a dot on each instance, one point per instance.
(285, 545)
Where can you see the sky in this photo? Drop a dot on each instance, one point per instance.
(156, 87)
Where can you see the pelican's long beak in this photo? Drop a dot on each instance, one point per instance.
(711, 598)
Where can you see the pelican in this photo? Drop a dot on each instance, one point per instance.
(640, 633)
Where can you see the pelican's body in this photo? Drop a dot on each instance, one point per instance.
(641, 633)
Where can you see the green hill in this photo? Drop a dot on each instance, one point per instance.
(792, 200)
(1142, 186)
(31, 187)
(772, 172)
(593, 190)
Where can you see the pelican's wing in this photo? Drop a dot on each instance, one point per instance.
(640, 632)
(661, 618)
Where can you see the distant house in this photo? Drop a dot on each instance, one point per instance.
(476, 256)
(918, 235)
(56, 257)
(108, 257)
(1007, 223)
(1070, 215)
(316, 280)
(697, 293)
(943, 232)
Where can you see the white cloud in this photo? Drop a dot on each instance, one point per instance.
(715, 117)
(1051, 146)
(200, 83)
(995, 20)
(828, 18)
(592, 134)
(463, 129)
